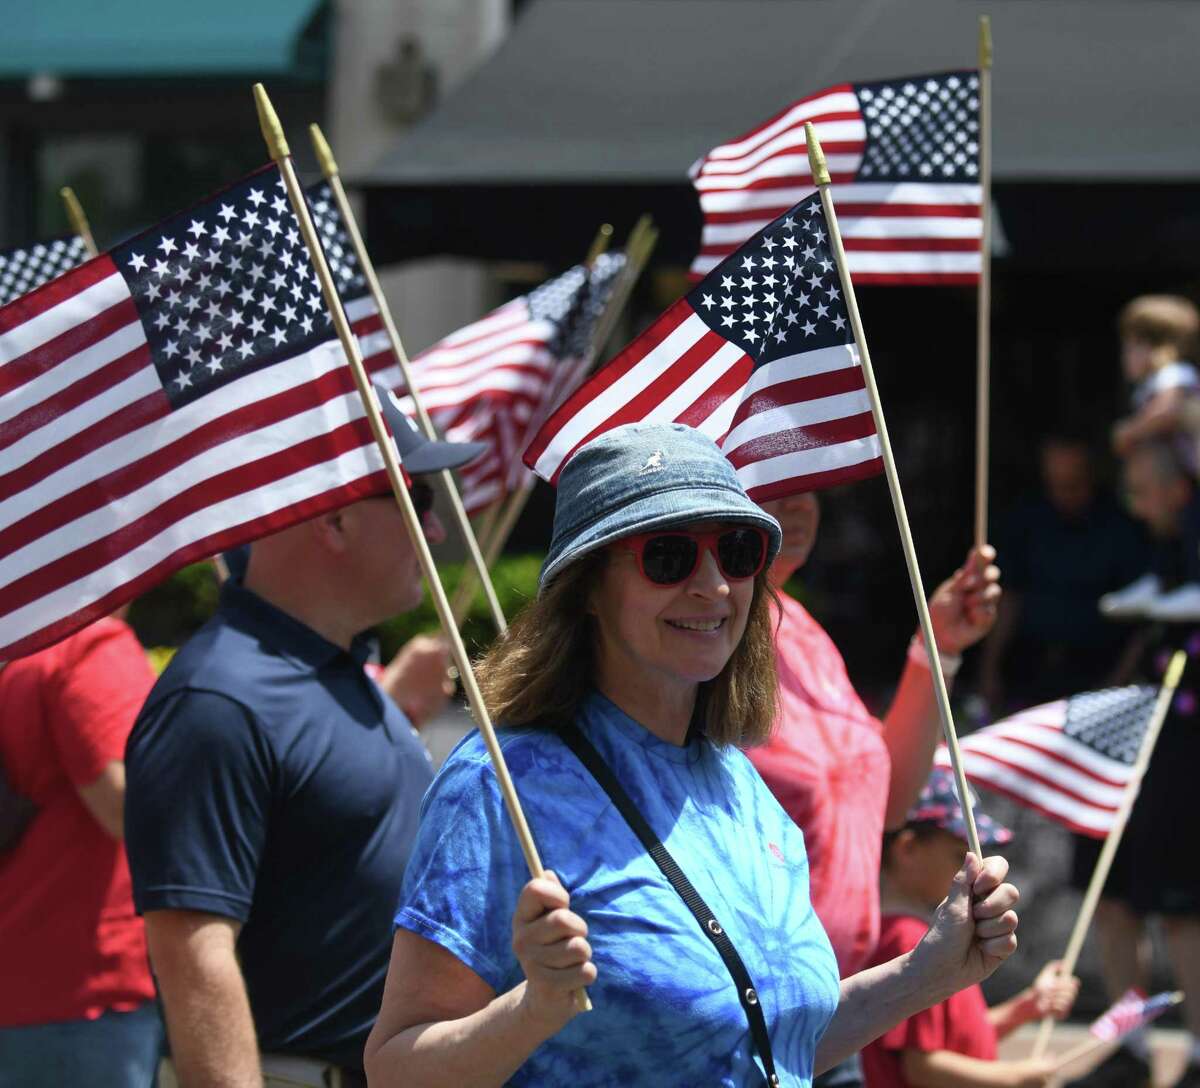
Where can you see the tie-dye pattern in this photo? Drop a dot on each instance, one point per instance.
(665, 1010)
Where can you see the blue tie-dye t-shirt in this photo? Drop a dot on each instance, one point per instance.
(665, 1010)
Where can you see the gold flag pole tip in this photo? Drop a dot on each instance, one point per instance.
(268, 121)
(323, 151)
(599, 243)
(985, 41)
(78, 221)
(816, 156)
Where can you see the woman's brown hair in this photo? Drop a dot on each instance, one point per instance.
(540, 671)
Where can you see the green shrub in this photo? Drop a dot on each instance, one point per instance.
(515, 578)
(167, 615)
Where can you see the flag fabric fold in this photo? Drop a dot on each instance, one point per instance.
(759, 356)
(27, 267)
(176, 396)
(1070, 760)
(904, 159)
(489, 381)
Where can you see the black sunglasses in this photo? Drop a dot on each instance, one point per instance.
(668, 558)
(422, 497)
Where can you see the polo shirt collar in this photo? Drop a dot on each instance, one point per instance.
(282, 631)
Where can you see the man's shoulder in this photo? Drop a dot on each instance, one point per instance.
(218, 663)
(220, 657)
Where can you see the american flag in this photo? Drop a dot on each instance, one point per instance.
(490, 381)
(1070, 760)
(1133, 1010)
(27, 267)
(176, 396)
(759, 356)
(904, 159)
(359, 304)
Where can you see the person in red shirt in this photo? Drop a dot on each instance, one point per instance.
(839, 772)
(954, 1042)
(77, 1005)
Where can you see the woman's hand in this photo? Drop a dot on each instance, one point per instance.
(1053, 992)
(974, 927)
(963, 607)
(551, 944)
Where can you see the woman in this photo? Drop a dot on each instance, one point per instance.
(841, 773)
(650, 638)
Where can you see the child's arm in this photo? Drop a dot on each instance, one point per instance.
(1050, 995)
(1160, 415)
(946, 1069)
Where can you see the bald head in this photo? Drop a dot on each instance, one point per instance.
(343, 571)
(1158, 488)
(1067, 476)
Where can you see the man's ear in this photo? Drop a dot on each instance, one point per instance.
(904, 843)
(330, 531)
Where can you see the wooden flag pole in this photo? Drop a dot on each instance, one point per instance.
(640, 244)
(276, 143)
(820, 174)
(503, 518)
(78, 220)
(638, 248)
(329, 168)
(599, 244)
(983, 324)
(1092, 1045)
(1109, 851)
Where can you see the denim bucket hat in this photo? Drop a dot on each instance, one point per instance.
(640, 477)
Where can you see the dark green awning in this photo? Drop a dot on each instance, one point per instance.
(164, 38)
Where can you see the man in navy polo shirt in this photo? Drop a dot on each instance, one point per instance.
(272, 800)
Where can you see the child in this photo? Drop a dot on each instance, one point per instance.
(953, 1043)
(1158, 334)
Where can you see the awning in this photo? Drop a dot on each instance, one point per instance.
(163, 38)
(594, 109)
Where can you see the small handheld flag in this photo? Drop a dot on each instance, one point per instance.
(27, 267)
(1070, 760)
(487, 381)
(1134, 1010)
(904, 155)
(174, 397)
(760, 356)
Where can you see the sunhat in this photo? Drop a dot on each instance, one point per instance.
(640, 477)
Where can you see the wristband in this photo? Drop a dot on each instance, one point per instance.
(918, 655)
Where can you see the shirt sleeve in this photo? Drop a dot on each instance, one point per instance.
(101, 684)
(199, 789)
(1178, 375)
(465, 873)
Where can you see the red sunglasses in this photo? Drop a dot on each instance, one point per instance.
(668, 558)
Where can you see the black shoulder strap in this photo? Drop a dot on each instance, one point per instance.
(711, 928)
